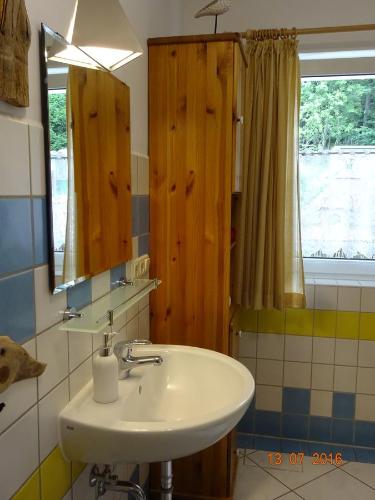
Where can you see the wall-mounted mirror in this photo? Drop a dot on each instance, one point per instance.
(86, 116)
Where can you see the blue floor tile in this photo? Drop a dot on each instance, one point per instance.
(16, 249)
(17, 312)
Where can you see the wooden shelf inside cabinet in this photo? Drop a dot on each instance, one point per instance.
(98, 315)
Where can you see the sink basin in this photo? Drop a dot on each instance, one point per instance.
(186, 404)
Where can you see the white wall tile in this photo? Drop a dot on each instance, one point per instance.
(269, 372)
(323, 350)
(250, 364)
(48, 307)
(268, 398)
(298, 348)
(297, 374)
(132, 312)
(144, 324)
(134, 173)
(80, 348)
(52, 348)
(321, 403)
(21, 457)
(310, 296)
(345, 378)
(346, 352)
(100, 285)
(14, 158)
(247, 345)
(270, 346)
(49, 408)
(325, 297)
(322, 377)
(144, 302)
(80, 377)
(20, 396)
(366, 353)
(135, 252)
(349, 298)
(143, 175)
(132, 329)
(365, 407)
(366, 381)
(38, 170)
(368, 300)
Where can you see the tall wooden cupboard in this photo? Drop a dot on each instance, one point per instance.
(194, 119)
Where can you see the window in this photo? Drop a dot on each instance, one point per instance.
(337, 171)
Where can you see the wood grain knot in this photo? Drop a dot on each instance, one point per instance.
(210, 111)
(93, 114)
(173, 187)
(173, 53)
(3, 351)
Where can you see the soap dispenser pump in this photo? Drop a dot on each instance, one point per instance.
(105, 373)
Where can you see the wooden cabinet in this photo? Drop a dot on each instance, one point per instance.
(193, 84)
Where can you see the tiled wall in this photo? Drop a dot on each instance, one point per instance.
(314, 368)
(31, 465)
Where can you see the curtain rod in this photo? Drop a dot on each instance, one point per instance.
(319, 31)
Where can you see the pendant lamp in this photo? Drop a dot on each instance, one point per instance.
(101, 30)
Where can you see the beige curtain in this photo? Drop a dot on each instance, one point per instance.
(70, 254)
(268, 259)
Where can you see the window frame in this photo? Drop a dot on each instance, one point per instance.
(337, 269)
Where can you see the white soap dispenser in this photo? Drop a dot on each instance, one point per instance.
(105, 373)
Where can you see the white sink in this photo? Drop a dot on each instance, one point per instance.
(186, 404)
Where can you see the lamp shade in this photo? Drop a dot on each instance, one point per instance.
(101, 30)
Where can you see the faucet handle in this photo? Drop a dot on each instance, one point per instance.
(120, 346)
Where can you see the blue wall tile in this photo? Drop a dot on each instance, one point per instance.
(144, 214)
(342, 431)
(79, 295)
(364, 433)
(143, 244)
(296, 400)
(245, 441)
(16, 246)
(246, 423)
(343, 405)
(267, 443)
(267, 422)
(17, 313)
(117, 273)
(320, 429)
(294, 426)
(291, 446)
(40, 231)
(365, 456)
(135, 216)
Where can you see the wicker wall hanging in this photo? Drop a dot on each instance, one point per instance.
(15, 38)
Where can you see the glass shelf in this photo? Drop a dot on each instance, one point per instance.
(99, 314)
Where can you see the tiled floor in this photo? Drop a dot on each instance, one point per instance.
(257, 479)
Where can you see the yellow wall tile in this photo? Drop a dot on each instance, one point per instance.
(367, 326)
(324, 323)
(56, 477)
(299, 322)
(77, 469)
(248, 320)
(271, 321)
(347, 325)
(30, 490)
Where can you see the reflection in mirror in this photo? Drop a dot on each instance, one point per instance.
(87, 141)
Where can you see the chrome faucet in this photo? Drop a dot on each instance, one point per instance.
(126, 361)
